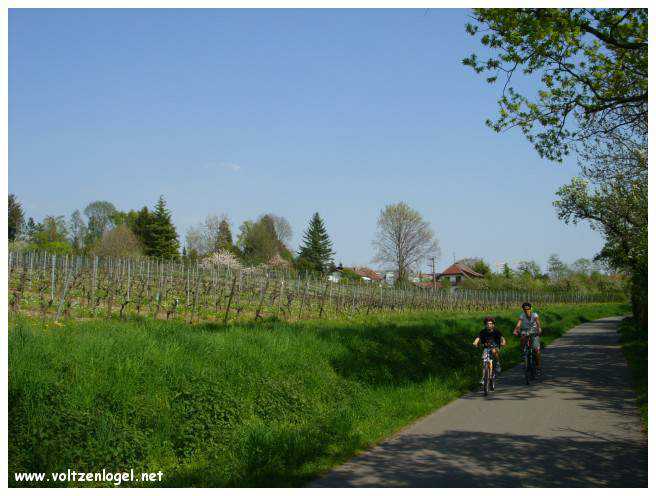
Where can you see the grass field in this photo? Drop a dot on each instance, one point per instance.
(634, 345)
(271, 404)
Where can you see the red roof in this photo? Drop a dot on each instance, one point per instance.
(367, 272)
(427, 284)
(458, 269)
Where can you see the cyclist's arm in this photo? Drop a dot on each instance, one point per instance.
(537, 321)
(519, 324)
(476, 341)
(503, 341)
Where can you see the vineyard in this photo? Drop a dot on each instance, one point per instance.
(63, 286)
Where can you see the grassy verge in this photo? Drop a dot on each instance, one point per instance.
(271, 404)
(634, 345)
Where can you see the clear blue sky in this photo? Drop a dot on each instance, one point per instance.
(286, 111)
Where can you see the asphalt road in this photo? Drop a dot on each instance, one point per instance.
(577, 426)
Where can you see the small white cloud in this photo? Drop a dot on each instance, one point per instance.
(222, 165)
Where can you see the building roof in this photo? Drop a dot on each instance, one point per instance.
(427, 284)
(367, 272)
(458, 269)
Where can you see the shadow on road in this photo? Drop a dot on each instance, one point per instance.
(480, 459)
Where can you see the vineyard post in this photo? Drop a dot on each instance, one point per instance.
(232, 292)
(322, 299)
(52, 279)
(263, 290)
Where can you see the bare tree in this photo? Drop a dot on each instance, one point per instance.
(282, 227)
(119, 242)
(403, 239)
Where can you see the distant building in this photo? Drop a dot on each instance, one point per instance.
(367, 274)
(457, 273)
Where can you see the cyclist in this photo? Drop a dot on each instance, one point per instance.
(529, 324)
(491, 336)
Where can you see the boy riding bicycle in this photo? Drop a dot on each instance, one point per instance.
(530, 326)
(491, 337)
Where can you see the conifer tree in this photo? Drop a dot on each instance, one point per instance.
(15, 221)
(162, 236)
(316, 252)
(224, 237)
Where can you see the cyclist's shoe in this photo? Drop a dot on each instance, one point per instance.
(481, 383)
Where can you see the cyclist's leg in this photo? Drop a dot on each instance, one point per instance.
(497, 358)
(538, 353)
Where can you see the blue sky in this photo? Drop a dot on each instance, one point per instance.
(286, 111)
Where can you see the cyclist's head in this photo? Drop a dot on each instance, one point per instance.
(489, 321)
(526, 306)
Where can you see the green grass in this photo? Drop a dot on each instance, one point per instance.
(634, 345)
(271, 404)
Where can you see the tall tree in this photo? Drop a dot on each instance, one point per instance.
(258, 241)
(77, 230)
(403, 239)
(224, 238)
(556, 267)
(316, 251)
(529, 268)
(31, 230)
(15, 220)
(100, 215)
(162, 236)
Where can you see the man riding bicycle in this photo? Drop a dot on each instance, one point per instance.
(491, 337)
(529, 326)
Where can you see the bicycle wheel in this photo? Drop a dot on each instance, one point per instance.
(486, 380)
(533, 371)
(527, 368)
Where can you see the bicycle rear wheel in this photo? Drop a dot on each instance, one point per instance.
(486, 380)
(527, 368)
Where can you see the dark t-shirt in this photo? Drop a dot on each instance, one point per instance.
(493, 336)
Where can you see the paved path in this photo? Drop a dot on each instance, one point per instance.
(578, 426)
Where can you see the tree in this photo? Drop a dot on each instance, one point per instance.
(282, 228)
(556, 268)
(100, 215)
(162, 236)
(403, 239)
(258, 241)
(224, 237)
(31, 230)
(592, 67)
(582, 266)
(77, 229)
(316, 252)
(15, 219)
(507, 271)
(119, 242)
(529, 268)
(477, 264)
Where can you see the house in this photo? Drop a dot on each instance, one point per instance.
(457, 273)
(367, 274)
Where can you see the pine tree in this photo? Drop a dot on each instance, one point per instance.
(15, 220)
(162, 236)
(316, 251)
(224, 237)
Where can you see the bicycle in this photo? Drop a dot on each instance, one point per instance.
(529, 360)
(489, 372)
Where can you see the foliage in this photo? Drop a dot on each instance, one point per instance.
(258, 241)
(120, 242)
(162, 238)
(556, 268)
(271, 404)
(15, 217)
(403, 239)
(592, 66)
(77, 230)
(316, 253)
(615, 202)
(100, 215)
